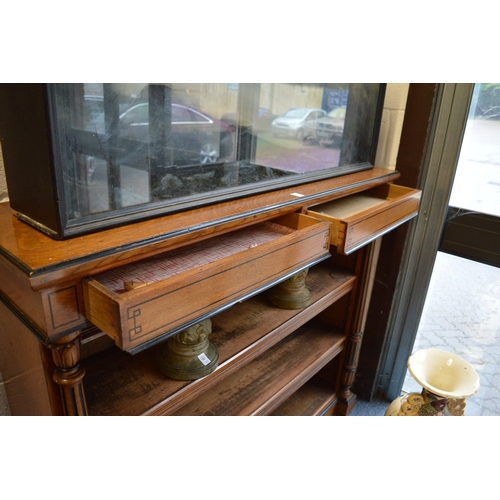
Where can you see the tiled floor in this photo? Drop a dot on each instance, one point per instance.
(461, 315)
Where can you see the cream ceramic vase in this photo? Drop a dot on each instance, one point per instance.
(447, 381)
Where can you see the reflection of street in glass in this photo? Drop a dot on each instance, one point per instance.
(477, 180)
(294, 155)
(284, 155)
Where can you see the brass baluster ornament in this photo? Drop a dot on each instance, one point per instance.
(291, 293)
(189, 355)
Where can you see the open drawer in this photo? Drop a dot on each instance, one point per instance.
(145, 302)
(360, 218)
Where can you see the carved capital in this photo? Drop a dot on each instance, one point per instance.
(66, 354)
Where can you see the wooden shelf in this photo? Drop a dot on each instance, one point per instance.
(315, 397)
(118, 383)
(263, 384)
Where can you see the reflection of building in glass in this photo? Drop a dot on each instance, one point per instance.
(217, 99)
(334, 98)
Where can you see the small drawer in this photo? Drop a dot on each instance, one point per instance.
(142, 303)
(360, 218)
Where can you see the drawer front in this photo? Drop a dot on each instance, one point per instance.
(359, 219)
(140, 317)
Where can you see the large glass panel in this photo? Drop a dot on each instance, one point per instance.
(178, 145)
(305, 132)
(477, 180)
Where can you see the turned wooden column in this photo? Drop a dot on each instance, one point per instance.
(68, 374)
(347, 398)
(365, 265)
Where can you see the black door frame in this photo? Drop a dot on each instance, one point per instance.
(435, 119)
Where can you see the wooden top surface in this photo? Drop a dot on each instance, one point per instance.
(46, 261)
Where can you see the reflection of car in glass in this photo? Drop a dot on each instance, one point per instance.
(292, 123)
(329, 129)
(195, 137)
(262, 122)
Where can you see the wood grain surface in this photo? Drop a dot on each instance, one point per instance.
(118, 383)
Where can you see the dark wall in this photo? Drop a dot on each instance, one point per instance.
(410, 158)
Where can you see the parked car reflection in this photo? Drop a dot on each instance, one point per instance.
(327, 130)
(293, 122)
(195, 137)
(262, 122)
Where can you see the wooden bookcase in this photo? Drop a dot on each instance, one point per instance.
(64, 347)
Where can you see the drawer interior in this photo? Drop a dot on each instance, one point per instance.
(349, 207)
(362, 204)
(358, 219)
(165, 266)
